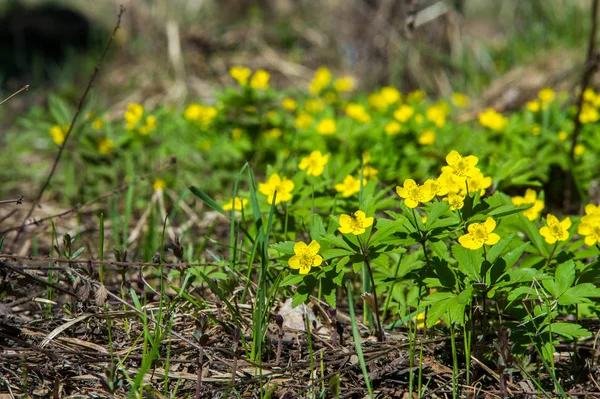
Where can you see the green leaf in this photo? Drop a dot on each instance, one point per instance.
(335, 253)
(513, 256)
(579, 294)
(469, 261)
(436, 210)
(497, 249)
(567, 330)
(284, 247)
(291, 279)
(385, 228)
(508, 209)
(207, 200)
(338, 241)
(564, 278)
(534, 235)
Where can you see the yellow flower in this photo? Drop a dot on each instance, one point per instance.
(591, 209)
(344, 84)
(390, 94)
(236, 134)
(555, 230)
(460, 100)
(546, 95)
(377, 101)
(589, 114)
(562, 136)
(306, 257)
(589, 95)
(149, 126)
(366, 157)
(193, 112)
(414, 193)
(240, 74)
(456, 201)
(358, 113)
(303, 120)
(314, 105)
(355, 223)
(536, 130)
(326, 126)
(98, 124)
(492, 120)
(436, 114)
(58, 133)
(106, 146)
(479, 234)
(349, 186)
(403, 113)
(274, 133)
(159, 185)
(260, 80)
(478, 182)
(579, 149)
(392, 128)
(133, 115)
(530, 197)
(427, 137)
(289, 104)
(590, 228)
(437, 186)
(274, 183)
(369, 173)
(459, 166)
(236, 204)
(320, 81)
(533, 106)
(314, 164)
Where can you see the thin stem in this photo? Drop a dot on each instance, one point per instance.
(380, 334)
(551, 254)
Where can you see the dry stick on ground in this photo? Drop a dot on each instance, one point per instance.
(99, 198)
(17, 201)
(24, 88)
(73, 121)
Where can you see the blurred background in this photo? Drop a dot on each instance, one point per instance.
(172, 51)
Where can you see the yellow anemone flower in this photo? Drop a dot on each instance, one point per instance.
(479, 234)
(355, 223)
(306, 257)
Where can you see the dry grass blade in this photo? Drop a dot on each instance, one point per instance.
(64, 327)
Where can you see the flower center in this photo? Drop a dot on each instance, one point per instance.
(306, 259)
(480, 234)
(556, 229)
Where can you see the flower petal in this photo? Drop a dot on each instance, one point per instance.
(304, 269)
(313, 247)
(402, 192)
(566, 224)
(490, 224)
(452, 157)
(584, 229)
(411, 203)
(409, 183)
(299, 246)
(368, 222)
(468, 242)
(492, 239)
(317, 260)
(294, 262)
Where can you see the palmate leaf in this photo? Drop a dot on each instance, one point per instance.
(567, 330)
(469, 261)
